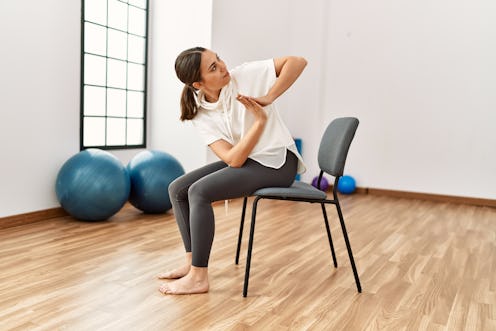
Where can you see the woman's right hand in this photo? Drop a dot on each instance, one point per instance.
(253, 107)
(235, 156)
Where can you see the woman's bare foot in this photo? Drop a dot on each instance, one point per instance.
(178, 272)
(196, 281)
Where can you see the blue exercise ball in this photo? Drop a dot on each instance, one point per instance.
(324, 183)
(346, 184)
(92, 185)
(151, 173)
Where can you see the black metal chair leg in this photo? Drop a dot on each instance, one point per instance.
(250, 245)
(240, 236)
(329, 235)
(348, 246)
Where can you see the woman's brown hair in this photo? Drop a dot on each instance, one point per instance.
(188, 71)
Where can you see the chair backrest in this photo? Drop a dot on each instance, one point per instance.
(335, 144)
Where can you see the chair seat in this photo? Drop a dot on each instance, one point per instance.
(296, 190)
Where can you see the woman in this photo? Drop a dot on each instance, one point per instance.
(235, 115)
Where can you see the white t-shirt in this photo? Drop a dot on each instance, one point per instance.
(228, 119)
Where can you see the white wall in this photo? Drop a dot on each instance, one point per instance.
(39, 98)
(420, 75)
(175, 26)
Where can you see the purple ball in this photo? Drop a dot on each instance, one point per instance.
(324, 184)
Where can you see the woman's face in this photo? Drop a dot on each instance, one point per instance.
(213, 72)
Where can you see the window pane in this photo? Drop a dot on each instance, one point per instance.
(117, 15)
(134, 132)
(117, 44)
(136, 49)
(136, 76)
(94, 131)
(116, 75)
(135, 104)
(139, 3)
(137, 21)
(116, 103)
(94, 70)
(94, 101)
(116, 131)
(95, 39)
(95, 11)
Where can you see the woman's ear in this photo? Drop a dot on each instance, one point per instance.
(197, 85)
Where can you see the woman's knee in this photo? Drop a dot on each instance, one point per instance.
(198, 191)
(177, 189)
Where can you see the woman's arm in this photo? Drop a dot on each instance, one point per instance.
(288, 69)
(235, 156)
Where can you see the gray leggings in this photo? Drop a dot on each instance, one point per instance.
(192, 194)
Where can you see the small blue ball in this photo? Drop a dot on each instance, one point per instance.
(346, 184)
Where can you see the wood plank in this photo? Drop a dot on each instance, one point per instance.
(423, 265)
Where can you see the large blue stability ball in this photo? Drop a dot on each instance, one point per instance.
(346, 184)
(151, 172)
(92, 185)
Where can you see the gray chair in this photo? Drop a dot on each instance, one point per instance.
(332, 155)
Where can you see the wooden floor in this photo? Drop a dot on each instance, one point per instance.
(423, 266)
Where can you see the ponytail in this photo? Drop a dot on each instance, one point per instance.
(187, 67)
(189, 107)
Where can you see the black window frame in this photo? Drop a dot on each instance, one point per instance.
(106, 146)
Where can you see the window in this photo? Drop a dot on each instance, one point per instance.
(113, 73)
